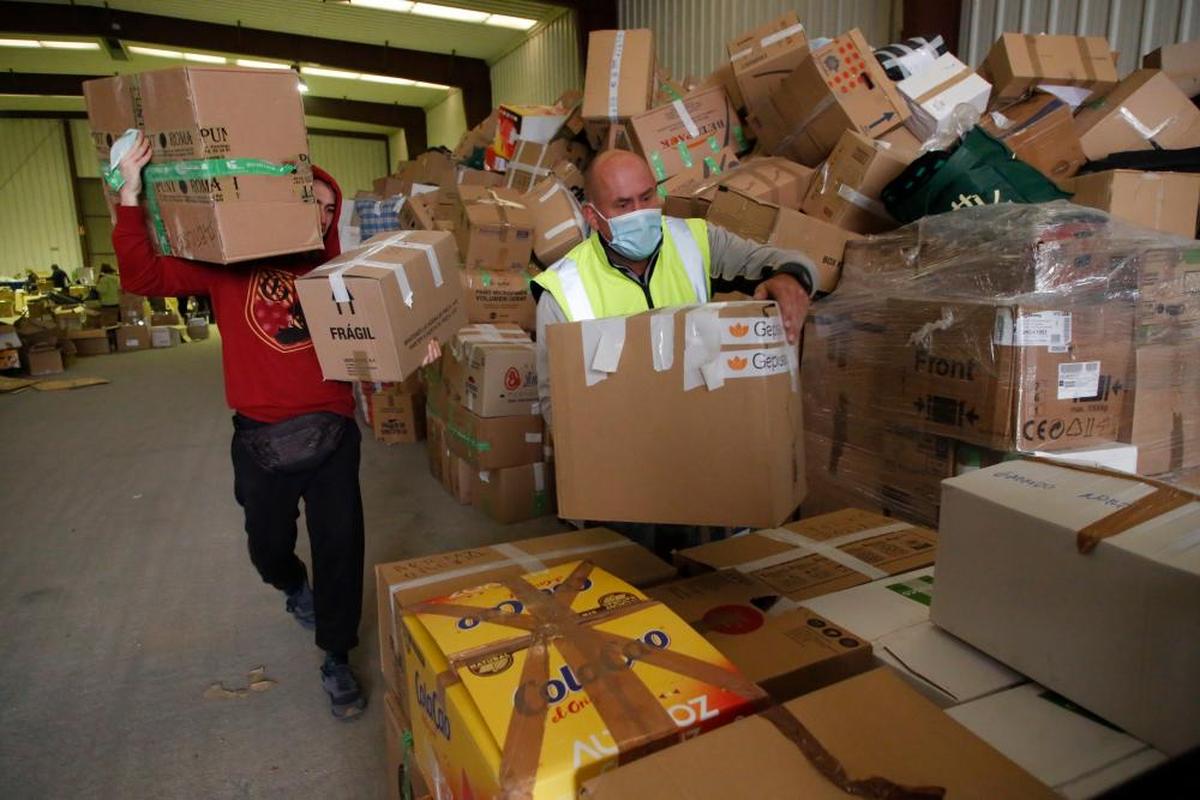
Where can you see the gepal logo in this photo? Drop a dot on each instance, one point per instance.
(738, 330)
(737, 364)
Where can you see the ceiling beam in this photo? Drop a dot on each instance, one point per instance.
(472, 75)
(410, 118)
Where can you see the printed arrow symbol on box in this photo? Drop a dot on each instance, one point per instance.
(971, 416)
(1117, 387)
(886, 116)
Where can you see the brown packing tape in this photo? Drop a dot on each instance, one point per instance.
(634, 716)
(832, 770)
(958, 78)
(1085, 56)
(359, 366)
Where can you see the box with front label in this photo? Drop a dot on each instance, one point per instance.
(372, 310)
(686, 368)
(558, 223)
(491, 370)
(618, 81)
(1105, 563)
(1164, 201)
(515, 494)
(761, 58)
(1040, 131)
(557, 676)
(1017, 62)
(494, 228)
(935, 92)
(1146, 111)
(845, 189)
(674, 137)
(497, 297)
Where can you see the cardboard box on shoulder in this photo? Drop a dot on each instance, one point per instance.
(676, 685)
(618, 81)
(754, 472)
(491, 370)
(398, 418)
(515, 494)
(1181, 62)
(1146, 111)
(1041, 132)
(1017, 62)
(133, 337)
(371, 311)
(935, 92)
(494, 228)
(675, 137)
(845, 189)
(1164, 201)
(498, 297)
(854, 725)
(836, 88)
(252, 121)
(1106, 567)
(558, 223)
(761, 58)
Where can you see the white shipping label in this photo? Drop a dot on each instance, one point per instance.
(1039, 329)
(755, 363)
(1078, 380)
(749, 330)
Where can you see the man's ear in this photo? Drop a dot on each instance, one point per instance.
(592, 218)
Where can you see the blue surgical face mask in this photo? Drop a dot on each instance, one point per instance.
(635, 235)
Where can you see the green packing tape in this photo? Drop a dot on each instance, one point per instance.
(406, 790)
(486, 278)
(670, 90)
(662, 191)
(739, 136)
(540, 506)
(471, 441)
(656, 163)
(712, 167)
(713, 144)
(685, 155)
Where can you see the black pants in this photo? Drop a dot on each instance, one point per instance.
(333, 507)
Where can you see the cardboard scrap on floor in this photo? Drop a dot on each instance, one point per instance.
(256, 681)
(14, 385)
(68, 383)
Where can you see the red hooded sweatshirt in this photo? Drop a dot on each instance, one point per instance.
(271, 369)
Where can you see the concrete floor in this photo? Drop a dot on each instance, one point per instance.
(126, 592)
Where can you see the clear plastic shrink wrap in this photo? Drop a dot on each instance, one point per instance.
(970, 337)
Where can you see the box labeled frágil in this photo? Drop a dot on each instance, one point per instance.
(515, 494)
(494, 229)
(230, 178)
(492, 370)
(821, 554)
(619, 80)
(845, 189)
(497, 297)
(1145, 112)
(934, 93)
(763, 57)
(1018, 62)
(558, 223)
(372, 311)
(1164, 201)
(1106, 564)
(519, 716)
(687, 367)
(674, 137)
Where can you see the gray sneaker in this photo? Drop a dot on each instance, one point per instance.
(345, 698)
(301, 606)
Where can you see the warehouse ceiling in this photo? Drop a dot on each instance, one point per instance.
(382, 72)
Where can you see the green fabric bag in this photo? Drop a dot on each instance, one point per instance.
(981, 171)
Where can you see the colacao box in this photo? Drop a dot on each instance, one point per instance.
(845, 189)
(870, 735)
(1107, 566)
(1018, 62)
(372, 311)
(230, 178)
(492, 370)
(532, 685)
(821, 554)
(498, 296)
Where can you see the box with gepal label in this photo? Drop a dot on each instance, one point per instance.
(531, 685)
(714, 385)
(372, 311)
(229, 179)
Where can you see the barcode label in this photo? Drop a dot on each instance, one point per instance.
(1077, 380)
(1040, 329)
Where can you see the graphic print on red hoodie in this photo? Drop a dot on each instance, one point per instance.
(271, 369)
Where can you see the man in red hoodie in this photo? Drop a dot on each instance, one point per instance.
(294, 432)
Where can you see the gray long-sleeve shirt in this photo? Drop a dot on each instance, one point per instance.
(730, 257)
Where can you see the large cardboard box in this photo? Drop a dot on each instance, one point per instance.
(619, 80)
(761, 58)
(496, 297)
(401, 583)
(250, 123)
(42, 359)
(1146, 111)
(776, 180)
(936, 91)
(1181, 61)
(494, 442)
(164, 336)
(837, 87)
(1062, 745)
(558, 223)
(787, 652)
(90, 342)
(133, 337)
(893, 615)
(1164, 416)
(1164, 201)
(372, 311)
(398, 418)
(845, 189)
(491, 370)
(601, 672)
(494, 229)
(531, 123)
(1018, 62)
(821, 554)
(1041, 132)
(674, 137)
(515, 494)
(417, 213)
(533, 161)
(870, 734)
(1104, 564)
(685, 370)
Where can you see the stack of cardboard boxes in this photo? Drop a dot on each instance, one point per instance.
(395, 412)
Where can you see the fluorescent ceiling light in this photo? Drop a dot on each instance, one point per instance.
(505, 21)
(252, 64)
(384, 5)
(426, 85)
(69, 45)
(204, 58)
(387, 79)
(449, 12)
(19, 43)
(155, 51)
(322, 72)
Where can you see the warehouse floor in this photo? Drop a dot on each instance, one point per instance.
(126, 594)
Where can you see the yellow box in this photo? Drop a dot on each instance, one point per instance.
(529, 687)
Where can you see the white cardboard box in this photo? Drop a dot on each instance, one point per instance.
(1116, 630)
(164, 336)
(1061, 746)
(934, 93)
(1121, 457)
(893, 613)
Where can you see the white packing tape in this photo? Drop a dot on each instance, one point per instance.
(518, 556)
(431, 256)
(779, 36)
(662, 340)
(603, 342)
(485, 476)
(533, 438)
(614, 75)
(539, 476)
(559, 229)
(701, 348)
(1144, 130)
(868, 204)
(688, 123)
(337, 276)
(825, 103)
(829, 548)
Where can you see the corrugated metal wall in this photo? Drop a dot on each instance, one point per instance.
(542, 68)
(37, 226)
(1133, 27)
(446, 122)
(353, 163)
(86, 164)
(690, 35)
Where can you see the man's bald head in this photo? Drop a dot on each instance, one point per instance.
(618, 182)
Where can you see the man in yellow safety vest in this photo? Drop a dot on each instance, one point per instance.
(636, 259)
